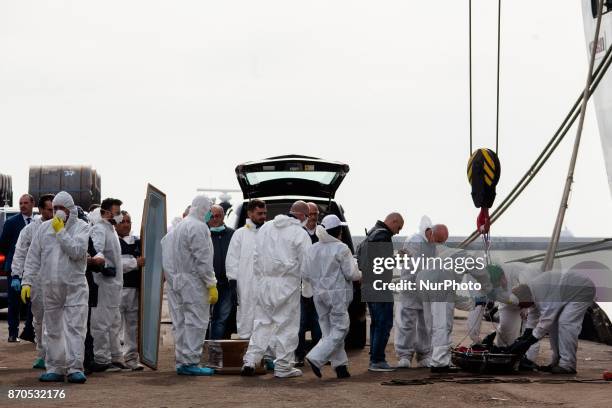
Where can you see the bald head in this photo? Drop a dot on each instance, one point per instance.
(217, 216)
(299, 210)
(439, 233)
(313, 216)
(395, 222)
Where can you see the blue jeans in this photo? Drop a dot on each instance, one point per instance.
(221, 312)
(15, 310)
(309, 321)
(381, 316)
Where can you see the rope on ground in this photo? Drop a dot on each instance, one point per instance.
(494, 380)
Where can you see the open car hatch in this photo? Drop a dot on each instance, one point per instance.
(291, 175)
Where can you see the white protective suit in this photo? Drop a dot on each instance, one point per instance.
(129, 308)
(412, 332)
(474, 320)
(330, 268)
(239, 266)
(510, 318)
(560, 303)
(280, 248)
(439, 305)
(60, 259)
(187, 257)
(21, 251)
(105, 323)
(94, 216)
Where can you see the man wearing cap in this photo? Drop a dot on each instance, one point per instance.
(329, 267)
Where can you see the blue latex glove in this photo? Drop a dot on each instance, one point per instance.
(16, 284)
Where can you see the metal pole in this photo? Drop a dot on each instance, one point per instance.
(540, 256)
(554, 241)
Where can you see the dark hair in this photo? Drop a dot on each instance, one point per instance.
(93, 207)
(108, 203)
(43, 199)
(81, 214)
(256, 203)
(335, 232)
(523, 293)
(124, 213)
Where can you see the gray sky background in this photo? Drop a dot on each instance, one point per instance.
(176, 93)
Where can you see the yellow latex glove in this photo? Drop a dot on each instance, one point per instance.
(57, 224)
(25, 293)
(213, 295)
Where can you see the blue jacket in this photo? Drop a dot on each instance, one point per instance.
(8, 239)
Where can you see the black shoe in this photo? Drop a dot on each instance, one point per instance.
(445, 369)
(546, 368)
(562, 370)
(527, 365)
(342, 372)
(27, 335)
(314, 368)
(247, 371)
(299, 363)
(99, 368)
(88, 366)
(13, 339)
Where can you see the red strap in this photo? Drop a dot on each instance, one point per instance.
(483, 222)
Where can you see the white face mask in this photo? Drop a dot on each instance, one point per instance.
(61, 215)
(118, 218)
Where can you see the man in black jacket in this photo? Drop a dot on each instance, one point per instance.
(378, 244)
(221, 235)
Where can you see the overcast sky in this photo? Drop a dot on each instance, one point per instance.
(176, 93)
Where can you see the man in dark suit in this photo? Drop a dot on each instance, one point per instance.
(8, 240)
